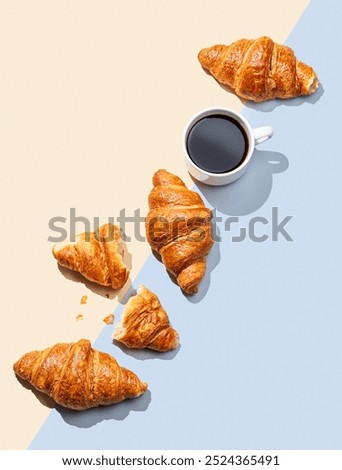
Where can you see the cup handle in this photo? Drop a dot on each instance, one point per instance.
(262, 133)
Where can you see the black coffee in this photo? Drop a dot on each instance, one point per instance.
(217, 144)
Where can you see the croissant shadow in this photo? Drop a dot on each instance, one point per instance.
(171, 276)
(42, 397)
(212, 259)
(126, 293)
(104, 291)
(226, 88)
(251, 191)
(89, 418)
(147, 354)
(270, 105)
(93, 416)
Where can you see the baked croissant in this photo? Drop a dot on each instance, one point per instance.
(145, 324)
(77, 376)
(178, 227)
(98, 256)
(259, 69)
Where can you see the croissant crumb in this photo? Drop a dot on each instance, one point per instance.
(109, 319)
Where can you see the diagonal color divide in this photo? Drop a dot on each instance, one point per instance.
(260, 344)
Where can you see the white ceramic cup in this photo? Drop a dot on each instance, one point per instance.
(254, 137)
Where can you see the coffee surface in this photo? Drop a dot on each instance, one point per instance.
(217, 144)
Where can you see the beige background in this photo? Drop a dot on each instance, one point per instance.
(93, 100)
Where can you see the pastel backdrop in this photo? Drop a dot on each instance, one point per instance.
(94, 100)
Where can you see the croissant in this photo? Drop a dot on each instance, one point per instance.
(178, 227)
(259, 69)
(145, 324)
(77, 376)
(98, 256)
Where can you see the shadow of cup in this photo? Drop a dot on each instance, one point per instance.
(251, 191)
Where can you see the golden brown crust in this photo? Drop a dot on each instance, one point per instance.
(259, 69)
(145, 324)
(77, 376)
(96, 255)
(178, 227)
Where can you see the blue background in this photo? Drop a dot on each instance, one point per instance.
(259, 365)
